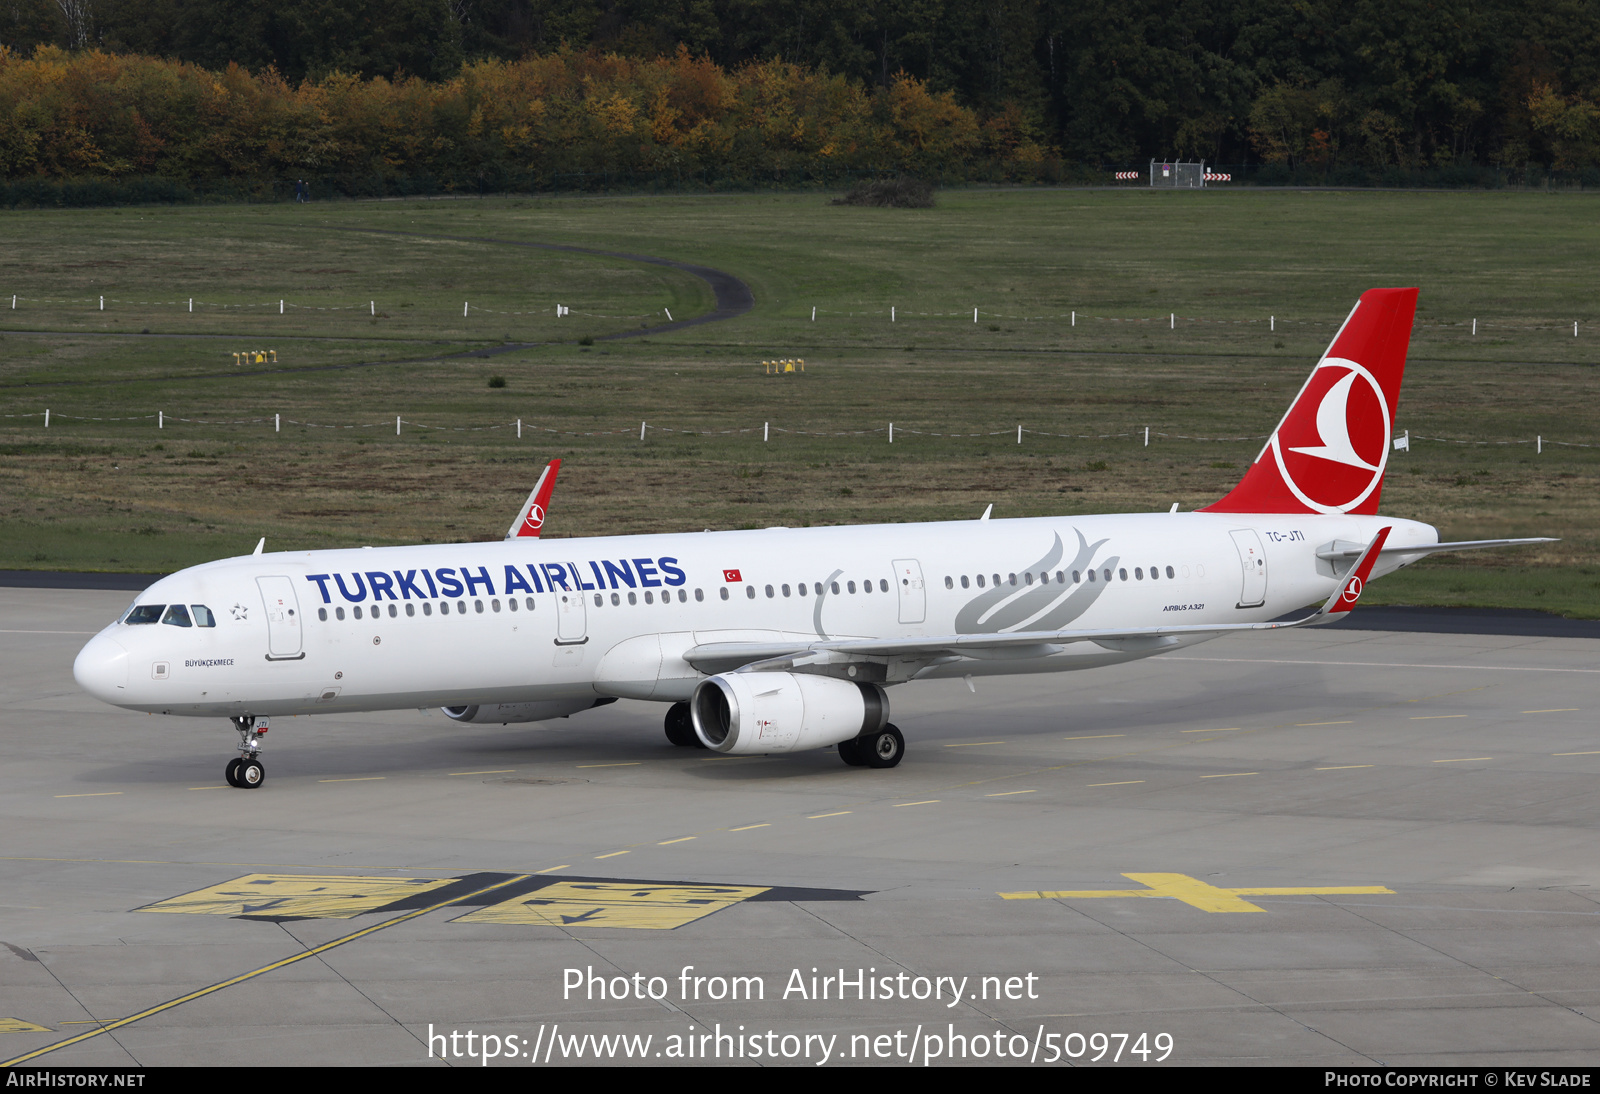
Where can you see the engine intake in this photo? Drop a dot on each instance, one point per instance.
(748, 712)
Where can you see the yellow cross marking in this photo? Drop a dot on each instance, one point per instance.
(19, 1025)
(1198, 894)
(320, 897)
(614, 904)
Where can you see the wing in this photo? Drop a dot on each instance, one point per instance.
(783, 656)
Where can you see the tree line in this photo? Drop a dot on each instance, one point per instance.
(1312, 87)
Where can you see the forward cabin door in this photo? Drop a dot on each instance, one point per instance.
(1253, 561)
(572, 616)
(283, 618)
(913, 597)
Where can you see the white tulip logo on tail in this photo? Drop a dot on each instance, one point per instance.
(534, 520)
(1333, 459)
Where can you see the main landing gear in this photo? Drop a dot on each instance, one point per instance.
(680, 730)
(246, 772)
(882, 748)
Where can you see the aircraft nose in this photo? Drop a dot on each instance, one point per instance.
(102, 668)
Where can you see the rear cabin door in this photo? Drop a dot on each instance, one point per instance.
(913, 597)
(572, 616)
(1253, 561)
(283, 618)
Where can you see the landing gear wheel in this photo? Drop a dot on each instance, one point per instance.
(233, 771)
(883, 748)
(853, 752)
(680, 729)
(250, 773)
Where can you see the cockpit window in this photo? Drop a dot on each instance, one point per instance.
(203, 616)
(178, 616)
(145, 613)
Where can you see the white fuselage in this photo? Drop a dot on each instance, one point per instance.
(531, 621)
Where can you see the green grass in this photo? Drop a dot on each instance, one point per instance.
(103, 495)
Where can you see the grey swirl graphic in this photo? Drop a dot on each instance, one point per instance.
(1043, 607)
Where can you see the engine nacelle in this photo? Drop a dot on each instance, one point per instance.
(506, 713)
(745, 712)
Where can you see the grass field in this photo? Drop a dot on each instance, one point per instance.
(95, 493)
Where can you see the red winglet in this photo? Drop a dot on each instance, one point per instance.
(1356, 580)
(1329, 452)
(531, 521)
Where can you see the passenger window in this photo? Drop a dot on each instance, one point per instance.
(495, 604)
(866, 586)
(203, 616)
(477, 606)
(949, 582)
(1169, 572)
(1061, 577)
(980, 581)
(616, 599)
(964, 581)
(817, 588)
(599, 600)
(529, 602)
(724, 592)
(699, 595)
(394, 611)
(770, 593)
(801, 588)
(1122, 573)
(1028, 577)
(1077, 578)
(633, 598)
(683, 596)
(851, 585)
(357, 611)
(750, 592)
(338, 613)
(322, 614)
(427, 607)
(411, 610)
(1091, 577)
(511, 602)
(444, 608)
(786, 590)
(1012, 578)
(996, 579)
(461, 607)
(177, 616)
(145, 613)
(835, 588)
(883, 584)
(1138, 573)
(649, 597)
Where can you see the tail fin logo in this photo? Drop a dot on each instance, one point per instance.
(1332, 457)
(534, 520)
(1352, 591)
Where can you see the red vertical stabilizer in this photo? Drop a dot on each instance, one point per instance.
(1329, 452)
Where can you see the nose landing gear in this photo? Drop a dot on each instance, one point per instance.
(247, 772)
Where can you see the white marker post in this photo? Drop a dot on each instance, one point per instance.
(191, 305)
(764, 427)
(1172, 321)
(1147, 436)
(47, 419)
(103, 308)
(974, 316)
(891, 315)
(519, 429)
(1272, 323)
(641, 431)
(1474, 328)
(1019, 434)
(1538, 446)
(1074, 318)
(161, 419)
(891, 433)
(397, 425)
(277, 423)
(813, 313)
(1574, 328)
(373, 304)
(669, 315)
(280, 307)
(463, 309)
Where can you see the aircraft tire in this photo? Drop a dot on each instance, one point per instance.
(853, 752)
(680, 730)
(883, 748)
(232, 773)
(250, 774)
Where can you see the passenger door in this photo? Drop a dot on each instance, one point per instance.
(1253, 561)
(913, 597)
(284, 639)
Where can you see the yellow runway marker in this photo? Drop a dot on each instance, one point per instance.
(1346, 722)
(614, 904)
(974, 744)
(1198, 894)
(208, 788)
(553, 869)
(1130, 782)
(301, 956)
(1345, 767)
(631, 763)
(17, 1025)
(361, 779)
(680, 839)
(1008, 793)
(1230, 775)
(1434, 717)
(1575, 753)
(1235, 729)
(501, 771)
(1095, 737)
(1464, 760)
(902, 805)
(312, 896)
(819, 816)
(747, 827)
(612, 854)
(1554, 710)
(101, 794)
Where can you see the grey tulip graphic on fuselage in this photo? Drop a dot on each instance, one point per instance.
(1042, 607)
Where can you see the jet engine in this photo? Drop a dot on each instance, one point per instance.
(506, 713)
(745, 712)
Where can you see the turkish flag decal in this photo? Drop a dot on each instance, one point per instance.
(731, 575)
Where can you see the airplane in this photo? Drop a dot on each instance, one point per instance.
(784, 639)
(529, 521)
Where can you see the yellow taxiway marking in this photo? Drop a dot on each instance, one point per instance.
(1434, 717)
(902, 805)
(88, 1023)
(1344, 767)
(614, 904)
(501, 771)
(680, 839)
(1553, 710)
(611, 854)
(1346, 722)
(1575, 753)
(747, 827)
(1095, 737)
(101, 794)
(974, 744)
(631, 763)
(1230, 775)
(553, 869)
(1008, 793)
(18, 1025)
(308, 895)
(1130, 782)
(1235, 729)
(361, 779)
(1463, 760)
(208, 788)
(819, 816)
(1198, 894)
(301, 956)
